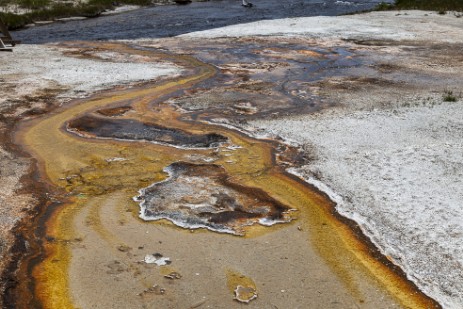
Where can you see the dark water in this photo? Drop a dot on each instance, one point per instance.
(172, 20)
(128, 129)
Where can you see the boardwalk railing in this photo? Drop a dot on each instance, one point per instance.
(6, 41)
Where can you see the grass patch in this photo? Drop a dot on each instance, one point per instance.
(42, 10)
(440, 6)
(111, 2)
(33, 4)
(433, 5)
(13, 21)
(449, 96)
(383, 6)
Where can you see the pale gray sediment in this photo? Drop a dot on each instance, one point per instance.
(400, 180)
(392, 148)
(200, 196)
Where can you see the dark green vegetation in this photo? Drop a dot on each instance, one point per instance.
(449, 96)
(440, 6)
(42, 10)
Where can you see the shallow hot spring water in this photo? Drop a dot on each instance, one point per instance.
(279, 244)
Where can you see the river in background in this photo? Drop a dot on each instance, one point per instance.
(173, 20)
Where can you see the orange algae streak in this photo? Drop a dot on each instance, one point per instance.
(51, 276)
(88, 168)
(94, 168)
(335, 241)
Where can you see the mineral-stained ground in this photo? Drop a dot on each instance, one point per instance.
(371, 117)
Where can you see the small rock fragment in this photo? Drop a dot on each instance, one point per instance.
(157, 259)
(155, 289)
(123, 248)
(173, 275)
(245, 294)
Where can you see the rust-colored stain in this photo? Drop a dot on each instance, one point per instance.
(115, 111)
(85, 170)
(243, 287)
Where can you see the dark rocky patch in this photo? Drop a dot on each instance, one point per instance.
(129, 129)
